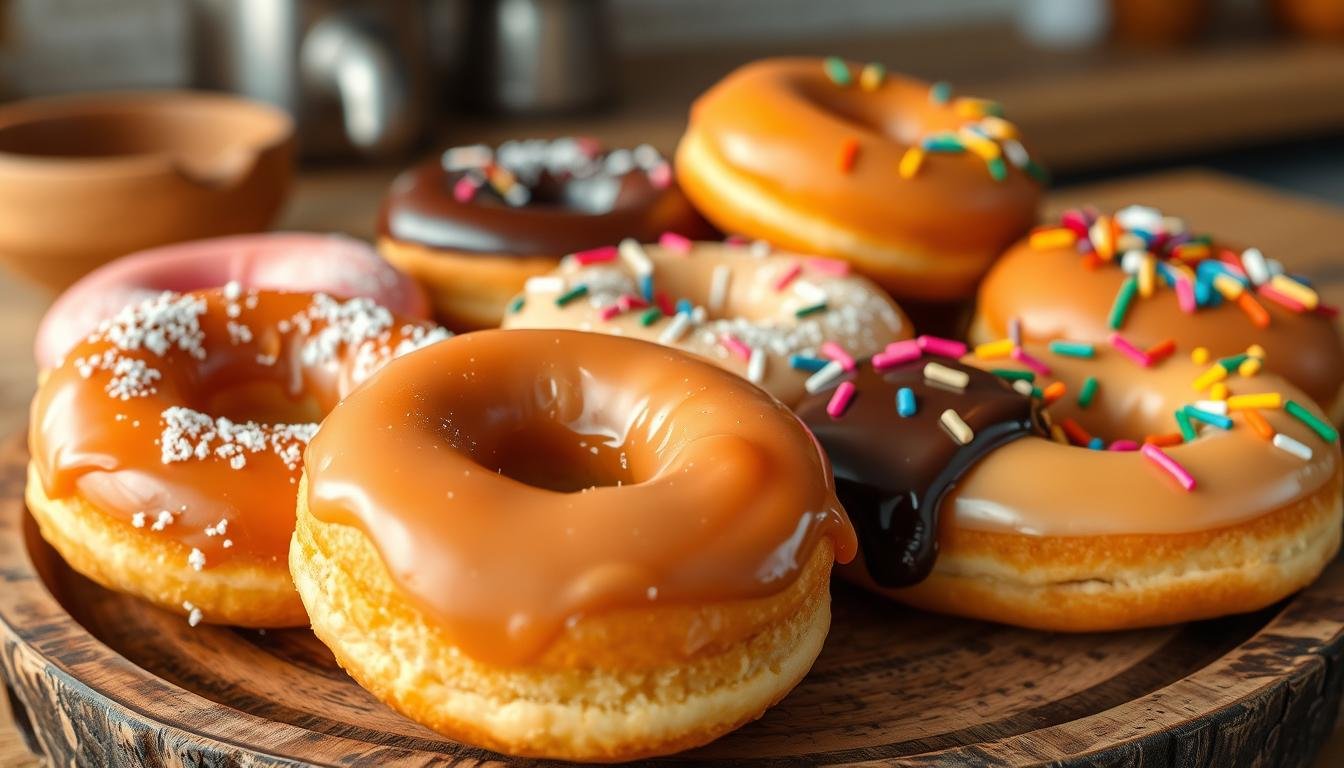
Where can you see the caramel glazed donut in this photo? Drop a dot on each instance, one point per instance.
(149, 473)
(475, 223)
(660, 579)
(776, 319)
(1125, 503)
(1147, 275)
(842, 160)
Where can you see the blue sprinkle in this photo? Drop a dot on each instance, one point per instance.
(646, 286)
(1204, 292)
(805, 363)
(1096, 444)
(685, 307)
(1215, 419)
(1167, 274)
(905, 402)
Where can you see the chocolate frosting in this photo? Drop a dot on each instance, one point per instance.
(566, 213)
(892, 472)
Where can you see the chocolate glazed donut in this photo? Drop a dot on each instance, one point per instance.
(892, 472)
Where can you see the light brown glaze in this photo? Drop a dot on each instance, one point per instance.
(302, 356)
(1056, 296)
(779, 126)
(513, 480)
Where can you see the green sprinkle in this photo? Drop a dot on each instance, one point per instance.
(1327, 432)
(1038, 172)
(1037, 393)
(1012, 375)
(838, 70)
(516, 305)
(810, 309)
(998, 170)
(1072, 348)
(940, 92)
(650, 316)
(1231, 364)
(1088, 392)
(1201, 240)
(572, 294)
(942, 142)
(1123, 298)
(994, 108)
(1187, 429)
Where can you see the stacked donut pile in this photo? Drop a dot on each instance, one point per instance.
(606, 529)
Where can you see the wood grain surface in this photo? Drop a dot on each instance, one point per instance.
(891, 683)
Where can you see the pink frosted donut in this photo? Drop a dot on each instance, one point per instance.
(285, 261)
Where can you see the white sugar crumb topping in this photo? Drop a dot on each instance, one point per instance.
(233, 290)
(189, 434)
(218, 529)
(346, 323)
(158, 325)
(239, 333)
(162, 520)
(131, 376)
(196, 559)
(194, 614)
(138, 519)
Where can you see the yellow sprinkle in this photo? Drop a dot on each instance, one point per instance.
(1229, 286)
(972, 108)
(998, 128)
(1255, 350)
(910, 162)
(1295, 290)
(994, 349)
(1057, 434)
(1263, 400)
(1199, 355)
(1147, 275)
(1218, 391)
(872, 76)
(985, 148)
(1215, 373)
(1050, 239)
(1249, 367)
(1184, 271)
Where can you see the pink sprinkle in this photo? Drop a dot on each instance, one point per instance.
(1075, 221)
(1123, 445)
(833, 351)
(664, 303)
(596, 255)
(675, 243)
(840, 400)
(1021, 356)
(736, 346)
(736, 240)
(1185, 295)
(610, 311)
(660, 176)
(630, 301)
(896, 353)
(795, 269)
(833, 267)
(589, 146)
(937, 345)
(1281, 298)
(1129, 350)
(464, 190)
(1161, 459)
(1015, 331)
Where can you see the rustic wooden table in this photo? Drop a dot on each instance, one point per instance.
(1310, 238)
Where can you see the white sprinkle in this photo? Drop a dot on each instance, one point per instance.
(809, 292)
(718, 287)
(1290, 445)
(1132, 261)
(164, 519)
(196, 559)
(950, 377)
(1257, 269)
(1023, 387)
(1139, 217)
(824, 379)
(632, 253)
(1275, 267)
(457, 159)
(956, 426)
(233, 290)
(1212, 406)
(227, 543)
(544, 284)
(760, 249)
(194, 614)
(138, 520)
(1016, 153)
(756, 366)
(675, 329)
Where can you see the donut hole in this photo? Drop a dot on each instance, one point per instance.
(265, 402)
(868, 115)
(1118, 415)
(546, 454)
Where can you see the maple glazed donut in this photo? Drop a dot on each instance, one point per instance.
(280, 261)
(167, 448)
(1150, 277)
(567, 544)
(473, 224)
(920, 190)
(776, 319)
(1127, 502)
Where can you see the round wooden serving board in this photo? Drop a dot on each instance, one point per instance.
(98, 679)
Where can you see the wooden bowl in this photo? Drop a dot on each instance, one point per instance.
(87, 178)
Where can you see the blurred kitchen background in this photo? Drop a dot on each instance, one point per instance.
(1103, 87)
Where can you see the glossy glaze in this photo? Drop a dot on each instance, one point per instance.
(514, 480)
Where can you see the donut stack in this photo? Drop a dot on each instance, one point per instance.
(600, 523)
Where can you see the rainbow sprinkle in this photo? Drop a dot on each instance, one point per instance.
(1325, 431)
(837, 70)
(1072, 349)
(839, 401)
(956, 426)
(905, 402)
(1088, 391)
(1169, 465)
(936, 345)
(576, 292)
